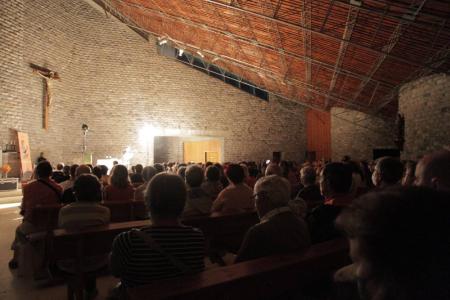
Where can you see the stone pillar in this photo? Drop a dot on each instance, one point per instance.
(425, 104)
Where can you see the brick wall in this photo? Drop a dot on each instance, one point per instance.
(114, 81)
(357, 134)
(425, 104)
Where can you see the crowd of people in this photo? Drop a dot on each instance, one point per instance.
(394, 213)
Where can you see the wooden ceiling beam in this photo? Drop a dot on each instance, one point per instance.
(254, 42)
(352, 17)
(393, 39)
(334, 38)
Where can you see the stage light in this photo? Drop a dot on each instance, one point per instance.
(180, 52)
(215, 59)
(200, 54)
(162, 42)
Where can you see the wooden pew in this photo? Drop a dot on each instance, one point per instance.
(75, 245)
(264, 278)
(121, 211)
(223, 233)
(45, 217)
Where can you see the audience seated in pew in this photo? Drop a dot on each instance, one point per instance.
(166, 248)
(279, 230)
(399, 243)
(69, 182)
(42, 191)
(198, 202)
(68, 196)
(136, 177)
(335, 183)
(212, 185)
(58, 175)
(310, 191)
(147, 174)
(409, 174)
(273, 169)
(105, 177)
(97, 171)
(237, 197)
(120, 188)
(85, 212)
(388, 171)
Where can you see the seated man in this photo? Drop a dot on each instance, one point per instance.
(396, 256)
(237, 197)
(433, 170)
(198, 202)
(273, 169)
(166, 248)
(388, 171)
(335, 184)
(83, 213)
(279, 230)
(42, 191)
(310, 192)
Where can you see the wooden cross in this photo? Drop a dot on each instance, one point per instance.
(47, 76)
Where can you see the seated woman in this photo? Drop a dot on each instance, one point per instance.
(399, 243)
(237, 197)
(166, 248)
(120, 188)
(83, 213)
(198, 202)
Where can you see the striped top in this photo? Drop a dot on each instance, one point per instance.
(135, 263)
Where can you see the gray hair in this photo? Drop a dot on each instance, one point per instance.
(277, 189)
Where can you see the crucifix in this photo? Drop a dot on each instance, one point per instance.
(48, 76)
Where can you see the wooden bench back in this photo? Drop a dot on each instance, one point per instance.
(121, 211)
(263, 278)
(94, 241)
(45, 217)
(225, 231)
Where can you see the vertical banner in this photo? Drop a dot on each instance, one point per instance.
(25, 155)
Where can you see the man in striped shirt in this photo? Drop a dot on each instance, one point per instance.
(166, 248)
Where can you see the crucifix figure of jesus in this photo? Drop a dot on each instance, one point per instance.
(48, 76)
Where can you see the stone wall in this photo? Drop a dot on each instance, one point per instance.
(356, 134)
(425, 104)
(114, 81)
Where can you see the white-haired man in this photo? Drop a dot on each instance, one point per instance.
(279, 230)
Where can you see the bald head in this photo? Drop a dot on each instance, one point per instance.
(433, 170)
(273, 169)
(83, 169)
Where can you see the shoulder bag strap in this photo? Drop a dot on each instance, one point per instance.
(155, 246)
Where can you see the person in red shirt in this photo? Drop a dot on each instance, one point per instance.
(42, 191)
(120, 188)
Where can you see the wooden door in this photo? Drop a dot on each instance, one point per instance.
(202, 151)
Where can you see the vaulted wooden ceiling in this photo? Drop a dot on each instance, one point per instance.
(322, 53)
